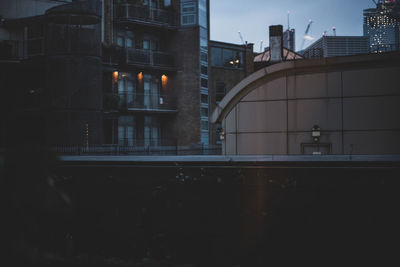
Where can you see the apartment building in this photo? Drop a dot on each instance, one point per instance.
(229, 64)
(130, 73)
(155, 56)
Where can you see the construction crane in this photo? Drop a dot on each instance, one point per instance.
(241, 37)
(306, 36)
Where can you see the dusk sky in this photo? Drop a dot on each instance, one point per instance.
(252, 18)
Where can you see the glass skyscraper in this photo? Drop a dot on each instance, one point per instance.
(381, 24)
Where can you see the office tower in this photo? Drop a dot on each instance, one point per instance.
(289, 39)
(381, 24)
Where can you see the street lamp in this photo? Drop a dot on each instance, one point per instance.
(316, 133)
(221, 135)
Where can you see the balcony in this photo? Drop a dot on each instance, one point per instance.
(154, 103)
(145, 15)
(149, 58)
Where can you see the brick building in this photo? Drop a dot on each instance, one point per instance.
(229, 64)
(121, 72)
(155, 55)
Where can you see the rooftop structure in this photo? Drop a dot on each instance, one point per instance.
(333, 46)
(338, 106)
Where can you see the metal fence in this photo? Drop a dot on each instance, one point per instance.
(118, 150)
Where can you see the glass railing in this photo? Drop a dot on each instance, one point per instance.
(145, 14)
(129, 100)
(149, 57)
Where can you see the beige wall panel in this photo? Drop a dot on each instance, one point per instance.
(230, 122)
(296, 139)
(304, 114)
(382, 142)
(334, 84)
(377, 81)
(275, 89)
(230, 144)
(262, 116)
(315, 85)
(372, 113)
(261, 143)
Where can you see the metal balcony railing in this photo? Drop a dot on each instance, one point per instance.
(126, 143)
(145, 14)
(146, 101)
(149, 57)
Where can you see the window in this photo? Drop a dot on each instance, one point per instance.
(188, 19)
(204, 99)
(188, 12)
(203, 56)
(204, 125)
(227, 56)
(223, 57)
(167, 3)
(216, 56)
(204, 112)
(203, 43)
(204, 83)
(126, 131)
(151, 131)
(203, 13)
(125, 39)
(204, 70)
(220, 91)
(188, 8)
(204, 138)
(126, 88)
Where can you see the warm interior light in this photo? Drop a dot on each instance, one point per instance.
(237, 61)
(231, 62)
(115, 75)
(140, 76)
(164, 81)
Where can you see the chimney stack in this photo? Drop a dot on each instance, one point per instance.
(276, 42)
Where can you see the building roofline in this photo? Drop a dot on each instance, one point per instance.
(220, 43)
(279, 70)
